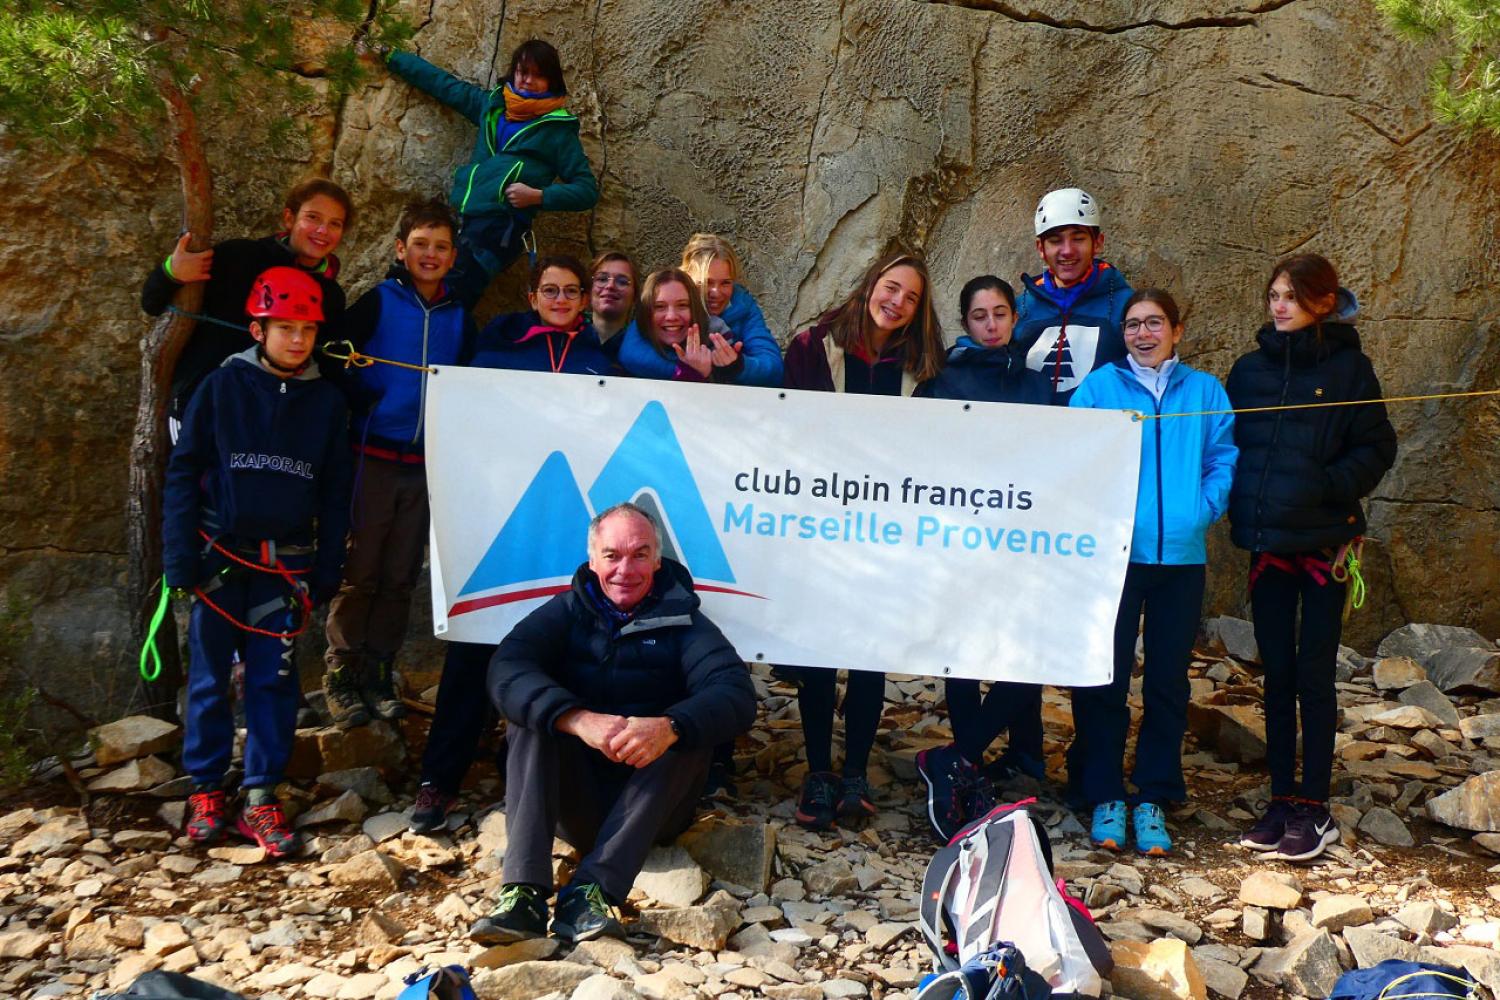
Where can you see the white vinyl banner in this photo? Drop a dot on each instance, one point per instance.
(935, 537)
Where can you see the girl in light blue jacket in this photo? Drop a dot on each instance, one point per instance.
(1187, 466)
(715, 269)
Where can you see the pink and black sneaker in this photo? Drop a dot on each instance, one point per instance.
(207, 818)
(263, 821)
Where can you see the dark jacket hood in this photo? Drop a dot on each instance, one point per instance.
(1311, 344)
(670, 599)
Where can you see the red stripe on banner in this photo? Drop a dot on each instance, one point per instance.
(495, 600)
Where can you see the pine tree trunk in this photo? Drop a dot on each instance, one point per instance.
(150, 445)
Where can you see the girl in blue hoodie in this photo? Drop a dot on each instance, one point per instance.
(715, 269)
(1187, 467)
(985, 364)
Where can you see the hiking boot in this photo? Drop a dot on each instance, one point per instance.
(1151, 837)
(263, 821)
(378, 689)
(1308, 833)
(815, 810)
(584, 912)
(854, 798)
(720, 783)
(207, 822)
(977, 797)
(430, 811)
(520, 913)
(1268, 830)
(341, 692)
(1108, 828)
(947, 775)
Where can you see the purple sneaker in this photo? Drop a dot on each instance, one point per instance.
(1308, 833)
(948, 777)
(1268, 830)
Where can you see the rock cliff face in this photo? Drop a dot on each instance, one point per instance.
(815, 133)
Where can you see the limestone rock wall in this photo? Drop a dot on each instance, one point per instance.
(816, 133)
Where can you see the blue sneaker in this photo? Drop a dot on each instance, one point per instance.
(1151, 837)
(1108, 830)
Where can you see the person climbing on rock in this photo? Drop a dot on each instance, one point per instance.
(1187, 465)
(1295, 506)
(527, 158)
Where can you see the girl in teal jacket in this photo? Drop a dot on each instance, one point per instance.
(527, 158)
(1187, 466)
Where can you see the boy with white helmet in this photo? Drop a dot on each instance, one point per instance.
(1068, 318)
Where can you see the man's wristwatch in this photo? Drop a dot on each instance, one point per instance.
(676, 729)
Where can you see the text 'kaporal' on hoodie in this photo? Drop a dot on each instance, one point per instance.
(259, 458)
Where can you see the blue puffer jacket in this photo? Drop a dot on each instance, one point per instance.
(747, 325)
(259, 459)
(393, 321)
(1088, 328)
(988, 374)
(1187, 463)
(507, 342)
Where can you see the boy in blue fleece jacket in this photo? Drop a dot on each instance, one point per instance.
(413, 317)
(255, 513)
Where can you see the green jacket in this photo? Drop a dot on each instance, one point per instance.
(544, 151)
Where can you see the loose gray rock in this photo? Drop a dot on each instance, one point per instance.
(1275, 890)
(1419, 641)
(1480, 727)
(1310, 964)
(1465, 669)
(1236, 635)
(365, 782)
(372, 868)
(1385, 827)
(737, 852)
(1425, 694)
(705, 927)
(347, 808)
(1371, 947)
(671, 876)
(603, 987)
(529, 980)
(1256, 923)
(1424, 916)
(831, 878)
(1334, 913)
(135, 776)
(1396, 673)
(132, 737)
(1222, 978)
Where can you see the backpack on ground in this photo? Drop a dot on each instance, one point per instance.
(1394, 978)
(159, 985)
(992, 885)
(998, 974)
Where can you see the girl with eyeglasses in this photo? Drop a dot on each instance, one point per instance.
(553, 335)
(1187, 466)
(678, 329)
(1296, 508)
(550, 336)
(715, 268)
(612, 298)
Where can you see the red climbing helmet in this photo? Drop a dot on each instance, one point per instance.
(285, 293)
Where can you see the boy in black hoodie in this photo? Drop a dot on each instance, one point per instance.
(313, 220)
(255, 512)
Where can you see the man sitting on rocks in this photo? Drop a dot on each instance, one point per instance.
(616, 692)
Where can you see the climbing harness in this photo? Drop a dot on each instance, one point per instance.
(269, 563)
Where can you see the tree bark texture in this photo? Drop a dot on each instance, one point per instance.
(150, 444)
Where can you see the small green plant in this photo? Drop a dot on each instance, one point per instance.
(16, 751)
(1465, 85)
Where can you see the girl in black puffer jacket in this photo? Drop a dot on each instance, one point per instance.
(1295, 505)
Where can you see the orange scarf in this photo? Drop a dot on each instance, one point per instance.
(523, 109)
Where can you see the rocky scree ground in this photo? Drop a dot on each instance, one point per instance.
(746, 904)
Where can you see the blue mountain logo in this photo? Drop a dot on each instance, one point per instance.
(545, 536)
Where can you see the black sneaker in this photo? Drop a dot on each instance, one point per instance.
(854, 799)
(720, 783)
(378, 689)
(430, 811)
(520, 913)
(977, 796)
(584, 912)
(1269, 829)
(341, 692)
(815, 809)
(1308, 833)
(946, 773)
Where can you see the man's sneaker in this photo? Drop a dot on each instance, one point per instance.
(520, 913)
(378, 689)
(1308, 833)
(263, 821)
(815, 809)
(720, 783)
(1108, 828)
(584, 912)
(341, 692)
(947, 775)
(430, 811)
(1268, 830)
(207, 816)
(1151, 837)
(854, 798)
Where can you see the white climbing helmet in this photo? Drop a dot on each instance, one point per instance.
(1067, 207)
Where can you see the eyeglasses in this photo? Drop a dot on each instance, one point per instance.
(1155, 324)
(604, 280)
(569, 292)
